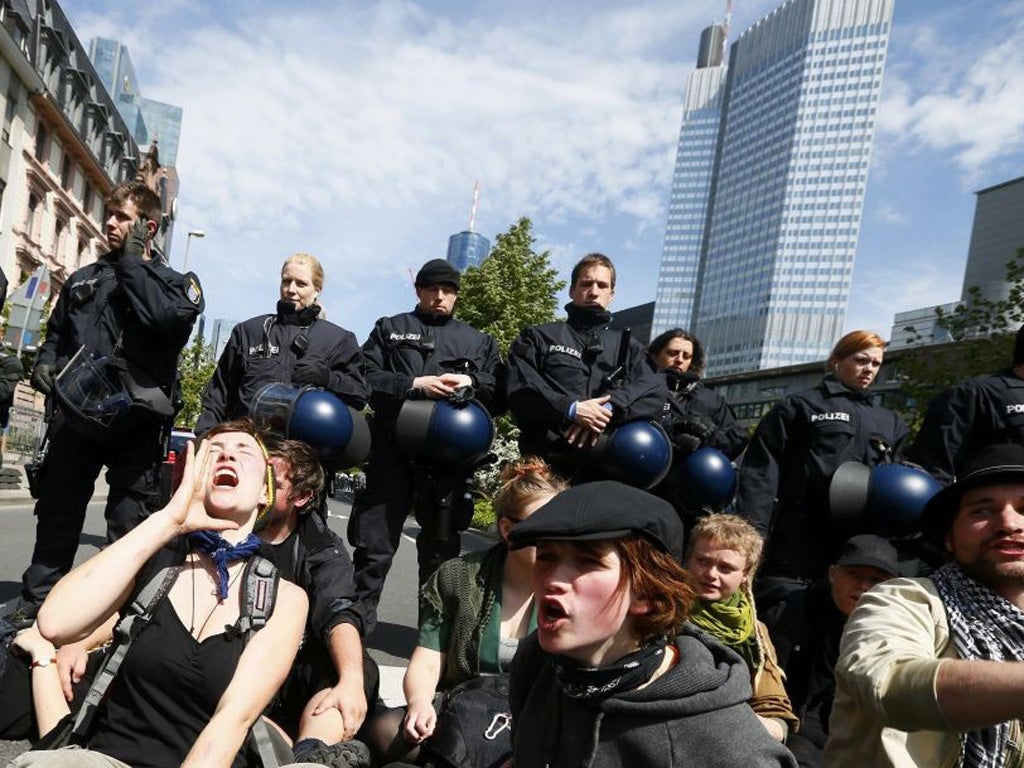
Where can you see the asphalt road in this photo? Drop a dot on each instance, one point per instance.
(390, 645)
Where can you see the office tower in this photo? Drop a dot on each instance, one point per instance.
(769, 182)
(469, 248)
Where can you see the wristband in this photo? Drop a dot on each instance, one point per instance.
(42, 663)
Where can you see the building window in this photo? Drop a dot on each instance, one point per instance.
(41, 142)
(9, 110)
(67, 171)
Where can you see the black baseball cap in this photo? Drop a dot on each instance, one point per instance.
(438, 271)
(992, 465)
(868, 549)
(603, 510)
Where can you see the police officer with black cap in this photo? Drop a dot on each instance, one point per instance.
(985, 410)
(131, 313)
(425, 353)
(569, 382)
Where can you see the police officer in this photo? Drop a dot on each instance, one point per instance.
(986, 410)
(425, 353)
(129, 305)
(569, 381)
(784, 478)
(293, 346)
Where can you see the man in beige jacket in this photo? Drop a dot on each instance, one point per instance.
(930, 670)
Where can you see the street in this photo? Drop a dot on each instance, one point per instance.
(390, 645)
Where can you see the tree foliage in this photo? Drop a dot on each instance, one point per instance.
(514, 287)
(982, 332)
(196, 368)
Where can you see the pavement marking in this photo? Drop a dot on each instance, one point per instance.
(391, 685)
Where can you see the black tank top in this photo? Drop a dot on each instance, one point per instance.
(165, 693)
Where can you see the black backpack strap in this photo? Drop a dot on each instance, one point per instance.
(259, 594)
(139, 612)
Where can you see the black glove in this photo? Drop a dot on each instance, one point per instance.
(135, 243)
(311, 371)
(42, 377)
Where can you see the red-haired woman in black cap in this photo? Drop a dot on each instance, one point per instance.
(613, 673)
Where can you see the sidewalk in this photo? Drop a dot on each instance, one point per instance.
(10, 498)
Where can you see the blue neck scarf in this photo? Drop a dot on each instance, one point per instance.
(223, 552)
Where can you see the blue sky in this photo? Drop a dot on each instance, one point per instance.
(355, 131)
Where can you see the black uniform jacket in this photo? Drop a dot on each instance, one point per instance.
(982, 411)
(412, 344)
(690, 401)
(553, 365)
(795, 450)
(145, 304)
(264, 350)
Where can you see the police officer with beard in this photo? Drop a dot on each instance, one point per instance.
(292, 346)
(132, 306)
(425, 353)
(570, 381)
(796, 448)
(986, 410)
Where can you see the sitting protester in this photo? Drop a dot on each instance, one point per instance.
(194, 679)
(806, 627)
(613, 676)
(723, 554)
(475, 609)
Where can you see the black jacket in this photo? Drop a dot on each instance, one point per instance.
(695, 416)
(11, 372)
(402, 347)
(795, 450)
(264, 350)
(553, 365)
(982, 411)
(695, 714)
(146, 305)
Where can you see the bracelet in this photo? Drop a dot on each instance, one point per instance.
(42, 663)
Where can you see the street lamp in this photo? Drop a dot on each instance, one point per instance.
(188, 242)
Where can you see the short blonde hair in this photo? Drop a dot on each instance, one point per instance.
(311, 261)
(729, 532)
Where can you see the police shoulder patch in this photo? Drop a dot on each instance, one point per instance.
(192, 290)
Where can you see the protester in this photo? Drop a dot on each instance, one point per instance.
(476, 609)
(722, 554)
(190, 686)
(970, 415)
(129, 305)
(805, 628)
(785, 474)
(571, 381)
(324, 699)
(425, 353)
(929, 669)
(292, 346)
(612, 676)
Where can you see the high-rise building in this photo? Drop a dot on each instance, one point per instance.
(769, 182)
(467, 249)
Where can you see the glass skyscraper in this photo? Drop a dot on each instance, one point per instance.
(467, 249)
(769, 182)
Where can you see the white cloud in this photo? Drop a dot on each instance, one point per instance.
(890, 214)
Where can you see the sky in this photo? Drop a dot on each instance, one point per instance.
(356, 131)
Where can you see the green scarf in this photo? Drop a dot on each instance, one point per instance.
(731, 621)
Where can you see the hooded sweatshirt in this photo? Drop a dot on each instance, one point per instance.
(695, 714)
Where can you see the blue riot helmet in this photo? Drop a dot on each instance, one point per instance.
(338, 432)
(92, 393)
(886, 500)
(454, 432)
(638, 453)
(707, 479)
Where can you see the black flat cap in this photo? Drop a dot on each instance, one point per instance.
(438, 271)
(871, 550)
(603, 510)
(992, 465)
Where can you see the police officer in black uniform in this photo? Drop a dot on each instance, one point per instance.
(425, 353)
(986, 410)
(785, 475)
(570, 381)
(129, 305)
(293, 346)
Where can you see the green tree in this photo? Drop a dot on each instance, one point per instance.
(196, 368)
(982, 332)
(514, 287)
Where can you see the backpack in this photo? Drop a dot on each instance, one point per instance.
(474, 725)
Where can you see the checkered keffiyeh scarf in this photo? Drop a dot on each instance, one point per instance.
(983, 626)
